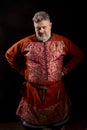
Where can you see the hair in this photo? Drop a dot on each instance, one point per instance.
(41, 15)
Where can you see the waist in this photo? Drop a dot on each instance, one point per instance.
(44, 85)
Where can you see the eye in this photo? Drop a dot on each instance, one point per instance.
(44, 27)
(38, 28)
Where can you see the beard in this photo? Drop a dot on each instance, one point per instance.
(43, 38)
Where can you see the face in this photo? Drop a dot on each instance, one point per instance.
(43, 30)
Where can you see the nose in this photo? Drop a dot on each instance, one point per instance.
(41, 30)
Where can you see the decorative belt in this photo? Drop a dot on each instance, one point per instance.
(43, 87)
(44, 91)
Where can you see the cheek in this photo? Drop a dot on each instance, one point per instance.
(48, 30)
(36, 31)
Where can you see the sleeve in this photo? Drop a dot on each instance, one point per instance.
(75, 56)
(15, 57)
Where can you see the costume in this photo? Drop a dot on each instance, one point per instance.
(45, 100)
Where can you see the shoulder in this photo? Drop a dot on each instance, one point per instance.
(29, 38)
(25, 40)
(62, 39)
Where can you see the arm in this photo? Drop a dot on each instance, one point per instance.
(15, 57)
(75, 56)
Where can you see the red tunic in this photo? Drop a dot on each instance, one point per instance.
(45, 99)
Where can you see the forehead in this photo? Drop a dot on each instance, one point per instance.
(42, 23)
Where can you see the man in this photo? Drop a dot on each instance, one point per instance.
(40, 58)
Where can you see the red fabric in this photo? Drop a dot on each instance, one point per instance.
(42, 66)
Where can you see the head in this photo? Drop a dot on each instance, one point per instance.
(42, 25)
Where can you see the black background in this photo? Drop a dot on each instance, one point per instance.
(69, 19)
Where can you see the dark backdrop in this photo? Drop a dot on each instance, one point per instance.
(69, 19)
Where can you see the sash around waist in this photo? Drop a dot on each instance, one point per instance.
(44, 85)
